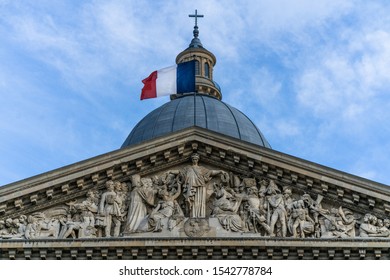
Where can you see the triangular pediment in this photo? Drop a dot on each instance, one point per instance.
(237, 190)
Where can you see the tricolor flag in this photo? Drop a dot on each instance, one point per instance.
(179, 78)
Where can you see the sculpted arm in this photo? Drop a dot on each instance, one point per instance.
(212, 173)
(174, 172)
(178, 192)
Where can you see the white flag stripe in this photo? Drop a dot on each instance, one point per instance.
(166, 81)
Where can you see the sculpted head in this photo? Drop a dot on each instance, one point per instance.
(374, 220)
(23, 219)
(110, 185)
(195, 158)
(136, 180)
(273, 188)
(9, 222)
(147, 182)
(367, 218)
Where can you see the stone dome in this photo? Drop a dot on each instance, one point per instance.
(196, 110)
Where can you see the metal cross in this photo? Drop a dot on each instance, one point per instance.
(196, 17)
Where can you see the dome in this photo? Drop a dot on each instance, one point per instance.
(196, 110)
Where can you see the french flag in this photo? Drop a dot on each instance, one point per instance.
(179, 78)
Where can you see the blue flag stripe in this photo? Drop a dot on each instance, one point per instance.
(185, 79)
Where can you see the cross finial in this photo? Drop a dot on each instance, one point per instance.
(196, 31)
(196, 17)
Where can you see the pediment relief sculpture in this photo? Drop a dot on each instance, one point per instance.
(195, 200)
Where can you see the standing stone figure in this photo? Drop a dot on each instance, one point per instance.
(195, 178)
(254, 206)
(141, 196)
(109, 209)
(301, 223)
(276, 206)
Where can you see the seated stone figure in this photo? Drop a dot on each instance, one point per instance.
(226, 210)
(167, 207)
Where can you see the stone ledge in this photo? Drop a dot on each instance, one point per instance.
(196, 248)
(125, 242)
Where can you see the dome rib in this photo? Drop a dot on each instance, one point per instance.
(205, 111)
(174, 115)
(261, 136)
(238, 127)
(155, 124)
(195, 109)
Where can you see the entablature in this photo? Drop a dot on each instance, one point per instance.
(234, 163)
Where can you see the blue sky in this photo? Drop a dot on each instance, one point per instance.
(313, 75)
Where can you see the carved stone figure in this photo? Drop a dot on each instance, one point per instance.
(195, 178)
(301, 223)
(369, 227)
(72, 225)
(314, 206)
(22, 224)
(196, 227)
(288, 200)
(80, 222)
(32, 228)
(109, 210)
(177, 201)
(141, 196)
(254, 206)
(121, 190)
(3, 230)
(10, 225)
(226, 210)
(8, 229)
(276, 209)
(383, 228)
(347, 223)
(40, 227)
(167, 207)
(339, 223)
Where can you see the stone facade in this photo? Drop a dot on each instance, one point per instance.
(195, 194)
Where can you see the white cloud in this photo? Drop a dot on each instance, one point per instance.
(344, 80)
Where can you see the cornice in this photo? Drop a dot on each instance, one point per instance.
(196, 248)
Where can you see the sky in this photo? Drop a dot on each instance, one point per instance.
(314, 76)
